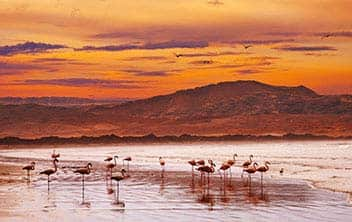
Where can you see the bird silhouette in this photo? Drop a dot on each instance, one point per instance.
(29, 168)
(48, 172)
(247, 46)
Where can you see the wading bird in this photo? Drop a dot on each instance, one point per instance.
(117, 178)
(162, 165)
(263, 169)
(231, 163)
(84, 171)
(246, 164)
(224, 167)
(192, 163)
(29, 168)
(48, 172)
(207, 169)
(251, 170)
(128, 159)
(110, 166)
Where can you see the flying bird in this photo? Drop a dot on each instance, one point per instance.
(178, 55)
(327, 35)
(247, 46)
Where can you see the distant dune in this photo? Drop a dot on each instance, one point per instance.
(237, 108)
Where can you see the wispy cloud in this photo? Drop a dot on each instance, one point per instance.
(215, 2)
(17, 68)
(347, 34)
(148, 46)
(305, 48)
(263, 41)
(248, 71)
(136, 58)
(138, 72)
(284, 34)
(206, 54)
(83, 82)
(28, 47)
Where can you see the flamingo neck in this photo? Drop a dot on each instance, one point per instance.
(250, 159)
(266, 166)
(115, 161)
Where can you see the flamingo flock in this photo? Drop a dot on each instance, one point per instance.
(205, 170)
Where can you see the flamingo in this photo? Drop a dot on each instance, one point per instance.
(48, 172)
(55, 155)
(192, 163)
(207, 169)
(282, 171)
(162, 164)
(110, 166)
(201, 163)
(29, 168)
(263, 169)
(128, 159)
(231, 163)
(251, 170)
(117, 178)
(83, 171)
(246, 164)
(224, 167)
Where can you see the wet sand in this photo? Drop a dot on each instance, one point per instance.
(149, 197)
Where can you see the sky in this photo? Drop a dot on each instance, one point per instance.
(142, 48)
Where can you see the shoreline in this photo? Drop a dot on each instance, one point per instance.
(13, 172)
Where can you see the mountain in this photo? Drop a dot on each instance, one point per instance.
(58, 101)
(241, 108)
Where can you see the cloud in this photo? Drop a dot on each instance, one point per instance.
(137, 72)
(148, 46)
(28, 47)
(248, 71)
(215, 2)
(347, 34)
(285, 34)
(205, 54)
(136, 58)
(202, 62)
(60, 61)
(16, 68)
(263, 41)
(305, 48)
(83, 82)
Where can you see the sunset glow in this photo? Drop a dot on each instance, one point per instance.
(137, 49)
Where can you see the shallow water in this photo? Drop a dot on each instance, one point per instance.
(179, 196)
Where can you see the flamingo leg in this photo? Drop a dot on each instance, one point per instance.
(82, 188)
(117, 191)
(230, 175)
(48, 184)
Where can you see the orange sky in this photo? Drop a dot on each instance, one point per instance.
(126, 49)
